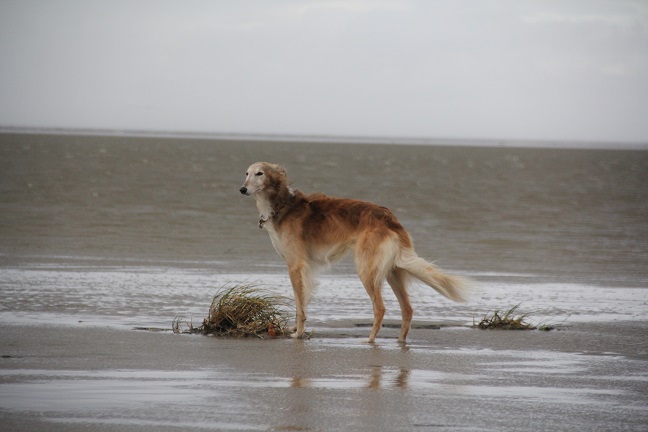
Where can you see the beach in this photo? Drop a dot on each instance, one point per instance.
(107, 240)
(583, 377)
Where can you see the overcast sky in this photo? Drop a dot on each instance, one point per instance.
(495, 69)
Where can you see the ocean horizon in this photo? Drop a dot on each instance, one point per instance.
(332, 139)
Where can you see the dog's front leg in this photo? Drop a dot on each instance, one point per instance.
(299, 281)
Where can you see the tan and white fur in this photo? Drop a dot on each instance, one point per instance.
(313, 231)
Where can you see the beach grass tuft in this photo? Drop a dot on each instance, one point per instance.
(240, 311)
(509, 319)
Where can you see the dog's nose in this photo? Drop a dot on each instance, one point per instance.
(243, 190)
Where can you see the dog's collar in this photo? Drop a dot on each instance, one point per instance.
(278, 212)
(264, 219)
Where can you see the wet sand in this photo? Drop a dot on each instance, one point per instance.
(585, 376)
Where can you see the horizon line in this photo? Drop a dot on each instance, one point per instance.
(333, 139)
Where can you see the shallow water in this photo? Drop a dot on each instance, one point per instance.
(135, 231)
(153, 297)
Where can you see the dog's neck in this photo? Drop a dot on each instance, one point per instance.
(265, 209)
(272, 204)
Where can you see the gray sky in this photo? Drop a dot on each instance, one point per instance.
(494, 69)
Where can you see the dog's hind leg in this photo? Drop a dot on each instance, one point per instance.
(397, 279)
(372, 283)
(373, 289)
(301, 279)
(374, 257)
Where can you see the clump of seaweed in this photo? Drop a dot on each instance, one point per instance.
(508, 320)
(240, 311)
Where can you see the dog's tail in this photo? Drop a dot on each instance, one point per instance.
(452, 287)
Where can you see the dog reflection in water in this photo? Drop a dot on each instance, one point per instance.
(379, 377)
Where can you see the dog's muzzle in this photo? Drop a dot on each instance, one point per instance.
(243, 190)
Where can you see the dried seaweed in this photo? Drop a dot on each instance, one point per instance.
(240, 311)
(508, 320)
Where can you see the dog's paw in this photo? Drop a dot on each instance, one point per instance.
(296, 335)
(369, 340)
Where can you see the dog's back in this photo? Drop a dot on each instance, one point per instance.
(326, 220)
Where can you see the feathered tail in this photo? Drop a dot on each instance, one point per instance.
(452, 287)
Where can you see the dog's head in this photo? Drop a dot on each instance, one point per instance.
(262, 176)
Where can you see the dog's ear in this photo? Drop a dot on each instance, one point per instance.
(279, 169)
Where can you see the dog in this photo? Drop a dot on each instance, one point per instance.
(313, 231)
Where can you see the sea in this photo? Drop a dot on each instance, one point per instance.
(136, 231)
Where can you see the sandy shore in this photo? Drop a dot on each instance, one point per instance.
(582, 377)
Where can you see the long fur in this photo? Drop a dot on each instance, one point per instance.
(313, 231)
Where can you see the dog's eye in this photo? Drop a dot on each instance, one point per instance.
(259, 174)
(246, 173)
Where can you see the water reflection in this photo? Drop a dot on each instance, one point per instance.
(376, 378)
(385, 377)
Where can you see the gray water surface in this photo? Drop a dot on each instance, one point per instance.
(578, 215)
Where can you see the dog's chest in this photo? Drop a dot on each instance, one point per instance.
(265, 222)
(275, 238)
